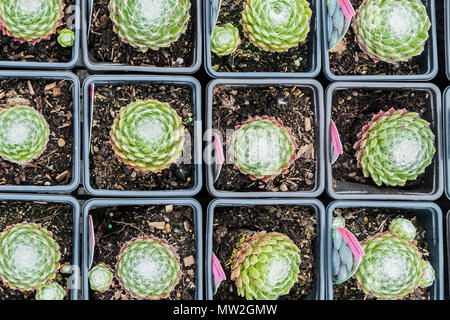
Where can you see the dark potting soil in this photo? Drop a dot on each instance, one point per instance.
(348, 58)
(233, 223)
(105, 170)
(249, 58)
(105, 45)
(54, 100)
(367, 222)
(56, 218)
(115, 226)
(352, 109)
(232, 105)
(43, 51)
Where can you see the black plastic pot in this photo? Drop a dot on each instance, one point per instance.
(318, 290)
(314, 55)
(56, 76)
(197, 138)
(434, 185)
(319, 178)
(93, 65)
(76, 273)
(427, 213)
(428, 59)
(198, 225)
(447, 140)
(447, 37)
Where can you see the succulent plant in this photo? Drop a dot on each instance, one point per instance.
(148, 268)
(394, 147)
(263, 148)
(265, 266)
(66, 38)
(392, 30)
(30, 20)
(225, 39)
(51, 291)
(403, 228)
(29, 256)
(150, 24)
(24, 134)
(100, 277)
(428, 276)
(338, 222)
(148, 135)
(276, 25)
(344, 262)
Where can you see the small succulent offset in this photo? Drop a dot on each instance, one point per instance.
(265, 266)
(66, 38)
(147, 135)
(263, 148)
(150, 24)
(225, 39)
(29, 256)
(392, 30)
(276, 25)
(396, 146)
(392, 267)
(51, 291)
(100, 277)
(24, 134)
(148, 268)
(30, 20)
(404, 228)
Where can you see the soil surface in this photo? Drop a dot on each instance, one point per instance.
(349, 59)
(105, 45)
(233, 223)
(105, 170)
(352, 109)
(365, 222)
(43, 51)
(249, 58)
(54, 100)
(56, 218)
(294, 106)
(115, 226)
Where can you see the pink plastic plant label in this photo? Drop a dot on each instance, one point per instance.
(218, 273)
(347, 9)
(91, 241)
(336, 146)
(352, 242)
(219, 150)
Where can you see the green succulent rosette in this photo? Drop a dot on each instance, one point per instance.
(148, 135)
(24, 134)
(404, 228)
(276, 25)
(100, 277)
(148, 268)
(225, 39)
(263, 148)
(150, 24)
(51, 291)
(392, 30)
(30, 20)
(265, 266)
(396, 146)
(29, 256)
(66, 38)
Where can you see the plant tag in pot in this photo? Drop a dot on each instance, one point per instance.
(91, 242)
(219, 157)
(340, 15)
(215, 9)
(217, 273)
(336, 144)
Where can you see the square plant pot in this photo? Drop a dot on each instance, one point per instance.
(307, 127)
(72, 16)
(170, 215)
(427, 62)
(58, 174)
(92, 63)
(313, 52)
(187, 174)
(447, 140)
(315, 209)
(66, 207)
(348, 182)
(427, 214)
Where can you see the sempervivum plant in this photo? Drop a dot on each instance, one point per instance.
(29, 256)
(51, 291)
(30, 20)
(394, 147)
(392, 30)
(225, 39)
(150, 24)
(265, 266)
(148, 268)
(276, 25)
(100, 277)
(263, 148)
(24, 134)
(148, 135)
